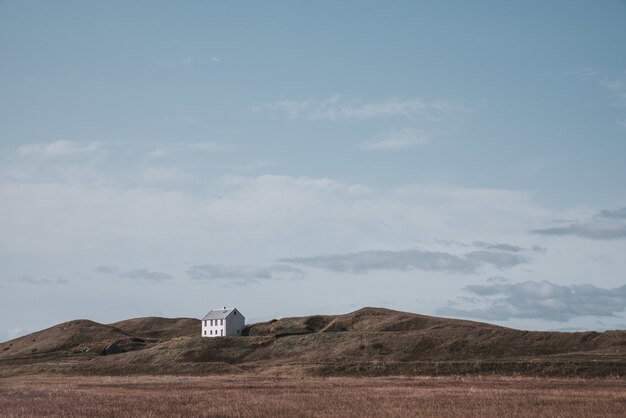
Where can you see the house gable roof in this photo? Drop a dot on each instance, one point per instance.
(220, 313)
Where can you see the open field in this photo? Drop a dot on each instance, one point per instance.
(260, 396)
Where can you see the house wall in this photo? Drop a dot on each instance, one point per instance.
(230, 326)
(235, 324)
(217, 329)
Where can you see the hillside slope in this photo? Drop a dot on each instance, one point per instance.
(370, 341)
(84, 336)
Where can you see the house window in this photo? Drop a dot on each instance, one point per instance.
(211, 332)
(211, 321)
(205, 332)
(221, 322)
(235, 313)
(205, 322)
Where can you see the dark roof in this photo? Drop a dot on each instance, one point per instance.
(219, 313)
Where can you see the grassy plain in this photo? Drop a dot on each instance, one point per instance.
(270, 396)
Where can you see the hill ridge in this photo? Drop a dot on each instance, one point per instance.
(369, 340)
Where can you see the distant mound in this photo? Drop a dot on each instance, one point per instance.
(84, 336)
(363, 320)
(160, 328)
(370, 341)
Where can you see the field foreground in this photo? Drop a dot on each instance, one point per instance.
(259, 396)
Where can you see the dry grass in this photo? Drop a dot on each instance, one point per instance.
(367, 342)
(259, 396)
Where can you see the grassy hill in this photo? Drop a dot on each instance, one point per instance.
(370, 341)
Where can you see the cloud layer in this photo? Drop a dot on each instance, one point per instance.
(606, 225)
(335, 108)
(243, 273)
(364, 261)
(40, 281)
(58, 149)
(136, 274)
(269, 230)
(396, 141)
(542, 300)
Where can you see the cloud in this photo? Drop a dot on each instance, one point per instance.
(40, 281)
(596, 230)
(606, 225)
(618, 88)
(583, 74)
(157, 153)
(499, 247)
(494, 246)
(242, 274)
(164, 175)
(335, 108)
(614, 214)
(364, 261)
(509, 247)
(500, 260)
(396, 141)
(210, 147)
(216, 59)
(247, 220)
(135, 274)
(58, 149)
(542, 300)
(615, 86)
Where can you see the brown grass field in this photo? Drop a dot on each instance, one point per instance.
(267, 396)
(320, 366)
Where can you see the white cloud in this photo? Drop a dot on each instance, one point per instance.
(58, 149)
(135, 274)
(216, 59)
(209, 146)
(583, 74)
(164, 175)
(396, 141)
(618, 88)
(278, 216)
(157, 153)
(615, 86)
(335, 108)
(243, 274)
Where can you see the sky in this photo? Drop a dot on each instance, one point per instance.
(288, 158)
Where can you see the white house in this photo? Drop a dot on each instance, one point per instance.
(223, 323)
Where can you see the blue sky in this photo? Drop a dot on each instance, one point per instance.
(446, 158)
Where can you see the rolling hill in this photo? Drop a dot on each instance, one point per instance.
(370, 341)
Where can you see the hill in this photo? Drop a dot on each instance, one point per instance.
(370, 341)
